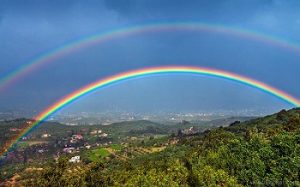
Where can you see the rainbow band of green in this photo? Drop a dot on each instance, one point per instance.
(71, 47)
(142, 73)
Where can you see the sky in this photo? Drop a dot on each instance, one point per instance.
(33, 27)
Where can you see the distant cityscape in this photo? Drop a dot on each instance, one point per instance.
(108, 117)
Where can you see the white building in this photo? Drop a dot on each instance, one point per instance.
(46, 135)
(94, 132)
(103, 135)
(75, 159)
(69, 149)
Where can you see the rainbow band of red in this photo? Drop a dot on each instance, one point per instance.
(146, 72)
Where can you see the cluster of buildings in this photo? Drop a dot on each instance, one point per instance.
(75, 159)
(98, 133)
(49, 144)
(77, 142)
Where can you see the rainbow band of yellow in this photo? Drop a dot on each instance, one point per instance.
(99, 38)
(146, 72)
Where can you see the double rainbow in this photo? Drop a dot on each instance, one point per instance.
(143, 73)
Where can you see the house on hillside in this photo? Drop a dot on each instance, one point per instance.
(29, 122)
(77, 137)
(103, 135)
(75, 159)
(69, 150)
(46, 135)
(95, 132)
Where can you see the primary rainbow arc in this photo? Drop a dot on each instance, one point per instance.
(142, 73)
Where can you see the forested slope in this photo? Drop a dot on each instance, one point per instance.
(260, 152)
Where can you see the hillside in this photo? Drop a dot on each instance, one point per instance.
(259, 152)
(11, 128)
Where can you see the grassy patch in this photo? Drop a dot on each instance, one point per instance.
(23, 144)
(116, 147)
(98, 154)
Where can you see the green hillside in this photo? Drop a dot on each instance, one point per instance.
(259, 152)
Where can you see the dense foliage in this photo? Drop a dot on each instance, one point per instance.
(260, 152)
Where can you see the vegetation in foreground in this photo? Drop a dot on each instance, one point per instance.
(260, 152)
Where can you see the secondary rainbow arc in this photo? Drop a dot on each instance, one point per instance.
(146, 72)
(71, 47)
